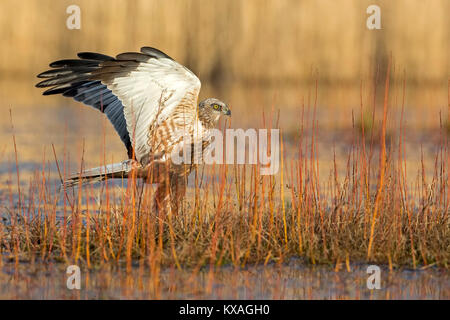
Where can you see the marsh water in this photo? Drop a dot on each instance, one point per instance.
(40, 124)
(293, 280)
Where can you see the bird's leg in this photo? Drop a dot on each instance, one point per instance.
(178, 191)
(169, 194)
(162, 199)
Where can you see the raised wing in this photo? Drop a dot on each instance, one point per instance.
(150, 87)
(137, 91)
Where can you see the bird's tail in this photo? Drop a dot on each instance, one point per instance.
(115, 170)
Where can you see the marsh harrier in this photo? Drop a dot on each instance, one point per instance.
(151, 100)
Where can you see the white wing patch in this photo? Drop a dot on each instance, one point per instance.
(150, 92)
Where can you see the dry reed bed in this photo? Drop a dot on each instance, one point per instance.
(286, 39)
(233, 215)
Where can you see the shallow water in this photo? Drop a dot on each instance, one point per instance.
(293, 280)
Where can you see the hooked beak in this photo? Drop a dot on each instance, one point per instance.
(228, 112)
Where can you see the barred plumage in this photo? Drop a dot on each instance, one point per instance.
(151, 100)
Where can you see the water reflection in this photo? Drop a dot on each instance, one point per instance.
(286, 281)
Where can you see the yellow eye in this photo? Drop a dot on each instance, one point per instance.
(216, 107)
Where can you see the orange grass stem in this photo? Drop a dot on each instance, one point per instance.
(382, 160)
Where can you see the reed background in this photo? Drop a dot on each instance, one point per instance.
(265, 42)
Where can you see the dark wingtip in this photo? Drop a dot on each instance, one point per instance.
(41, 84)
(56, 90)
(42, 75)
(94, 56)
(73, 63)
(155, 53)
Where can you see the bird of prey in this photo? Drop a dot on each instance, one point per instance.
(152, 102)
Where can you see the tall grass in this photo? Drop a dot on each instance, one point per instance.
(233, 215)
